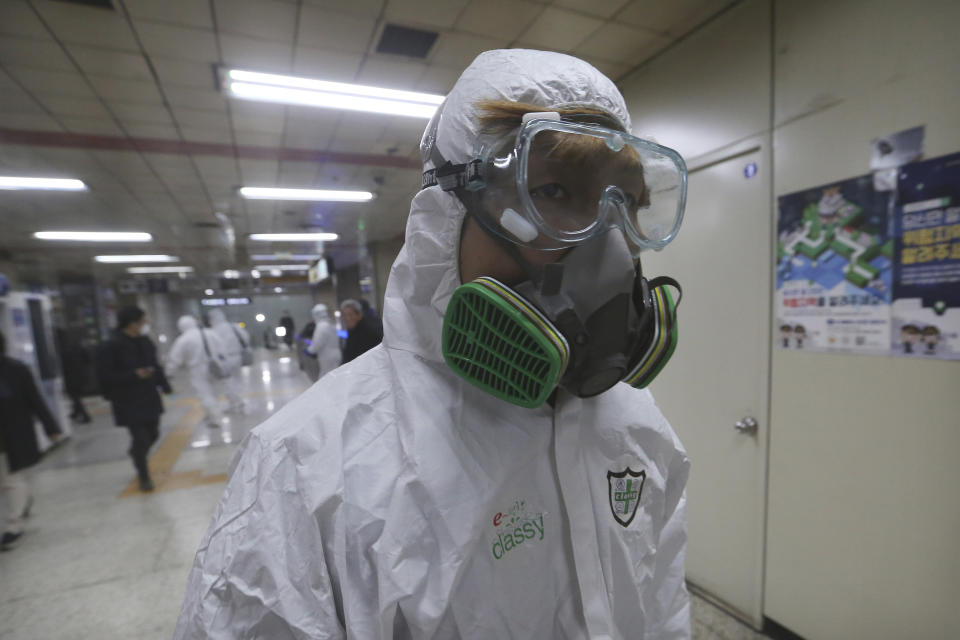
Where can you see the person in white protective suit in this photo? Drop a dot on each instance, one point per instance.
(324, 345)
(235, 340)
(188, 352)
(483, 473)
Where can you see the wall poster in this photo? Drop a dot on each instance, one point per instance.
(926, 274)
(834, 268)
(862, 270)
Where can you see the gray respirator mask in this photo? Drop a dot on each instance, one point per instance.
(590, 319)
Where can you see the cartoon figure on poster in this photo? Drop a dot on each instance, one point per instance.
(926, 277)
(834, 268)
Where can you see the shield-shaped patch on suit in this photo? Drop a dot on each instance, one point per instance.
(624, 489)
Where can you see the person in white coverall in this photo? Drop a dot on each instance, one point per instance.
(188, 352)
(324, 345)
(234, 340)
(397, 499)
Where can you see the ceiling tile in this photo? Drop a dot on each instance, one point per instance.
(15, 100)
(73, 23)
(265, 125)
(195, 134)
(30, 121)
(326, 65)
(177, 42)
(486, 17)
(201, 118)
(94, 126)
(298, 173)
(395, 74)
(35, 54)
(52, 82)
(618, 43)
(599, 8)
(190, 13)
(317, 139)
(183, 72)
(126, 90)
(613, 70)
(191, 98)
(259, 139)
(675, 18)
(106, 62)
(257, 55)
(560, 30)
(324, 29)
(17, 19)
(262, 171)
(140, 113)
(141, 130)
(457, 49)
(258, 18)
(438, 79)
(70, 106)
(425, 12)
(360, 126)
(367, 8)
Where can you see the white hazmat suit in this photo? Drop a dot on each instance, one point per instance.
(324, 344)
(234, 340)
(188, 352)
(395, 500)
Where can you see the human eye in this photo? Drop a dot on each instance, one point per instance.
(550, 191)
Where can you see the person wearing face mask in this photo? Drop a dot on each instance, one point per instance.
(193, 350)
(324, 345)
(129, 376)
(496, 468)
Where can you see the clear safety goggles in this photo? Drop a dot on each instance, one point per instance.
(554, 184)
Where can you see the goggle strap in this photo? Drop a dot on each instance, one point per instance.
(451, 177)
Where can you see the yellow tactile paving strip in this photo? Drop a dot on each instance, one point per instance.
(165, 456)
(167, 453)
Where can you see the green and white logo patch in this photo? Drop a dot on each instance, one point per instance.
(625, 489)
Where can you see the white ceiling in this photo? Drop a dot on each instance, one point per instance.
(146, 71)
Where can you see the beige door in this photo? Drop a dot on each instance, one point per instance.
(719, 374)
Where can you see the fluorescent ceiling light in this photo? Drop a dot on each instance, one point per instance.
(285, 256)
(292, 237)
(160, 270)
(283, 267)
(231, 274)
(268, 87)
(328, 195)
(128, 259)
(54, 184)
(94, 236)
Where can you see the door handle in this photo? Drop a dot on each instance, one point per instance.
(746, 425)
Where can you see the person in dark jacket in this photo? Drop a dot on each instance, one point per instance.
(75, 361)
(129, 375)
(361, 336)
(20, 402)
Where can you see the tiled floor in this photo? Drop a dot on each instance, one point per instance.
(93, 564)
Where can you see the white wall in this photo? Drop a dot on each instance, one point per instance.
(863, 516)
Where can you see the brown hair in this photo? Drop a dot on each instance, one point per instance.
(502, 116)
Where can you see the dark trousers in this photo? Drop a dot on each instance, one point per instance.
(78, 411)
(142, 437)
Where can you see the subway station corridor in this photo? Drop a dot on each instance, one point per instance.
(100, 559)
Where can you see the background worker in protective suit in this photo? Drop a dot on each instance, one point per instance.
(324, 345)
(193, 349)
(129, 376)
(236, 343)
(482, 473)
